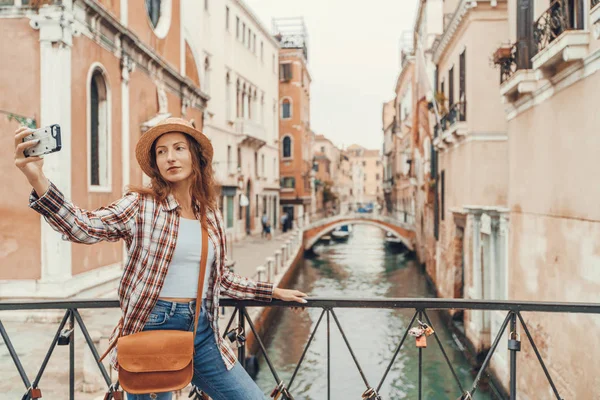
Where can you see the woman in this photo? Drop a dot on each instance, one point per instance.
(161, 226)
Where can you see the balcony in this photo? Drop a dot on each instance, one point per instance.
(452, 126)
(516, 76)
(559, 37)
(253, 133)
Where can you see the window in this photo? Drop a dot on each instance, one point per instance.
(262, 51)
(237, 28)
(256, 164)
(239, 159)
(153, 10)
(286, 144)
(207, 75)
(159, 16)
(273, 62)
(205, 5)
(243, 32)
(230, 211)
(227, 97)
(99, 146)
(376, 177)
(443, 194)
(240, 208)
(228, 159)
(257, 210)
(249, 38)
(286, 109)
(462, 83)
(288, 182)
(254, 43)
(262, 165)
(451, 87)
(285, 72)
(323, 149)
(227, 18)
(364, 163)
(378, 163)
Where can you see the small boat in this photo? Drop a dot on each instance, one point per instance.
(342, 233)
(325, 239)
(394, 242)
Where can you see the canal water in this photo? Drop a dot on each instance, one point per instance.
(361, 267)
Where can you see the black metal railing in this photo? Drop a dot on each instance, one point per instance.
(513, 58)
(558, 18)
(65, 335)
(457, 113)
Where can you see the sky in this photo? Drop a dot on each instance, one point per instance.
(354, 61)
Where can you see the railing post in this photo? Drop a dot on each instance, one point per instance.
(260, 270)
(270, 269)
(72, 356)
(242, 348)
(277, 261)
(283, 256)
(288, 246)
(513, 359)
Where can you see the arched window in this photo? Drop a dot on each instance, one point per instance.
(286, 108)
(99, 138)
(159, 16)
(286, 144)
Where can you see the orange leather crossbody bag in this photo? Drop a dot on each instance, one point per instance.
(160, 360)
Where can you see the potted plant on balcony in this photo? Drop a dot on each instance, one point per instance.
(502, 54)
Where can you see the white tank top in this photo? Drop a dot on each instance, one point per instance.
(182, 275)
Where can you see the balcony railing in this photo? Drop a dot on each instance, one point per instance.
(250, 128)
(65, 335)
(558, 18)
(513, 58)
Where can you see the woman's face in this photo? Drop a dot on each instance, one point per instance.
(173, 157)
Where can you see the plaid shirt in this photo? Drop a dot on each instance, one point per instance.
(149, 229)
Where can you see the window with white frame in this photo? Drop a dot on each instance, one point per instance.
(159, 16)
(99, 135)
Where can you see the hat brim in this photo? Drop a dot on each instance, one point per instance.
(143, 148)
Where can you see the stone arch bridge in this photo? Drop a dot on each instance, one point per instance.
(314, 231)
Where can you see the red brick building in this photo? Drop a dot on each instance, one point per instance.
(106, 71)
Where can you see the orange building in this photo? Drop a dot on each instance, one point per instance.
(106, 72)
(296, 172)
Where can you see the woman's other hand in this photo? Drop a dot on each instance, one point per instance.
(31, 167)
(289, 295)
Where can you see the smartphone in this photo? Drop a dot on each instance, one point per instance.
(50, 141)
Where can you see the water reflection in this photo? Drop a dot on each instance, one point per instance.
(361, 267)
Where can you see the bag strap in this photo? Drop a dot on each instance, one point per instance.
(203, 261)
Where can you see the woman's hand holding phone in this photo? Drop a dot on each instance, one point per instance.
(31, 167)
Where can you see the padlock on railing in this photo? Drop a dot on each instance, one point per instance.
(514, 341)
(422, 341)
(236, 337)
(64, 338)
(370, 394)
(278, 391)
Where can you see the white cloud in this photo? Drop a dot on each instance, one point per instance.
(353, 59)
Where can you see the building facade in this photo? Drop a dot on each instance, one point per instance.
(106, 72)
(296, 138)
(240, 74)
(550, 85)
(472, 162)
(367, 175)
(327, 173)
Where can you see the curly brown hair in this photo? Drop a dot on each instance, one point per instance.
(203, 188)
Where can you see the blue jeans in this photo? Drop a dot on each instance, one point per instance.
(210, 374)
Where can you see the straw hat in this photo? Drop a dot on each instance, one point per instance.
(144, 145)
